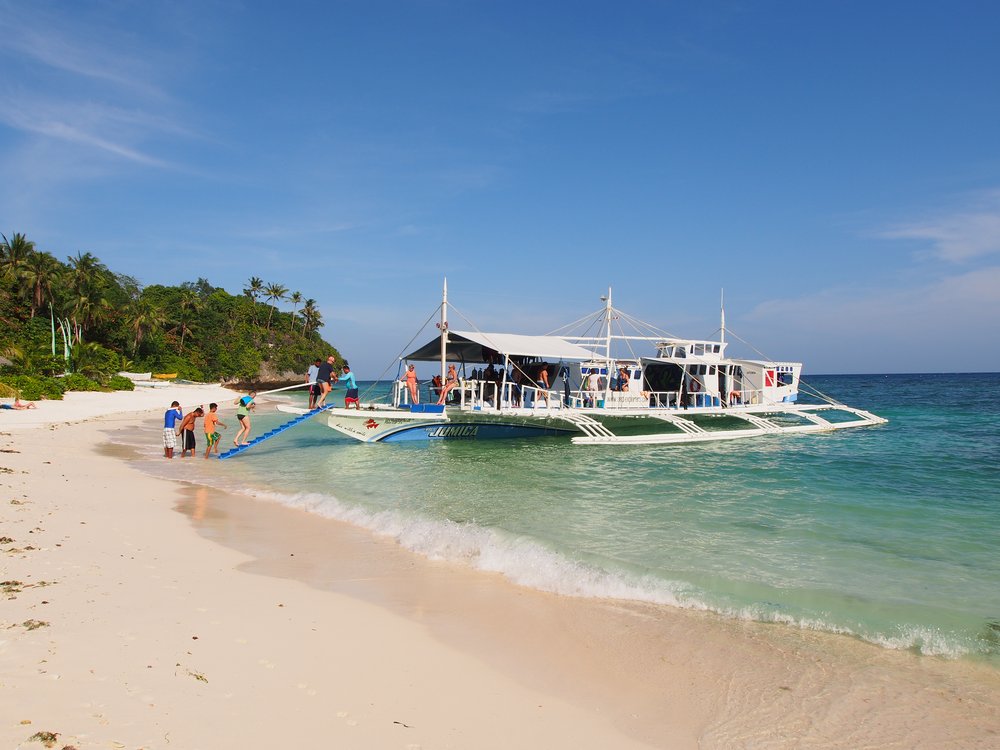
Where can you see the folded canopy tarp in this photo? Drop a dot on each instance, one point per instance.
(468, 346)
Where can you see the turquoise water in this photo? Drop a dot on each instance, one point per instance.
(890, 534)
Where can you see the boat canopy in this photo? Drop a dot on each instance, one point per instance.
(467, 346)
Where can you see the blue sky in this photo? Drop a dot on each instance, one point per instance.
(835, 167)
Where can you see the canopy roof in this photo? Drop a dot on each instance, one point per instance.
(466, 346)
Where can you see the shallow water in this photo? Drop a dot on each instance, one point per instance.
(890, 534)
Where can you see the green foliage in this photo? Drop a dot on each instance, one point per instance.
(35, 388)
(95, 361)
(195, 329)
(77, 382)
(120, 383)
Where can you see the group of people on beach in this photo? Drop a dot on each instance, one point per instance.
(176, 425)
(321, 378)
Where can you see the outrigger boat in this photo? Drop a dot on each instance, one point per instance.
(576, 386)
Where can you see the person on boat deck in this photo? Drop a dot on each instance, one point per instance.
(352, 388)
(515, 381)
(311, 378)
(622, 379)
(410, 378)
(543, 384)
(450, 382)
(323, 379)
(593, 385)
(436, 385)
(489, 376)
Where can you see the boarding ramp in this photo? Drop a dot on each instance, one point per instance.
(274, 432)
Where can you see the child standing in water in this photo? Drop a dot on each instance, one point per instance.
(212, 436)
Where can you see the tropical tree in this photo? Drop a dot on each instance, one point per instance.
(296, 299)
(88, 279)
(274, 293)
(39, 273)
(253, 290)
(13, 253)
(94, 361)
(189, 304)
(143, 317)
(311, 318)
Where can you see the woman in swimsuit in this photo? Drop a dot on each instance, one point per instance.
(411, 384)
(449, 383)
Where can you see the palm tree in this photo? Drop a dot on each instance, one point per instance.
(13, 253)
(143, 316)
(274, 293)
(39, 272)
(255, 287)
(189, 304)
(88, 279)
(311, 318)
(296, 299)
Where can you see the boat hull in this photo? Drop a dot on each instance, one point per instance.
(394, 426)
(594, 426)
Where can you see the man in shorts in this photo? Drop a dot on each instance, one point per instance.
(352, 388)
(170, 418)
(186, 431)
(212, 435)
(312, 377)
(323, 380)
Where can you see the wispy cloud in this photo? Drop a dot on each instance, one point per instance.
(105, 128)
(918, 328)
(960, 235)
(75, 77)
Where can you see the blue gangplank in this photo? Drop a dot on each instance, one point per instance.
(273, 433)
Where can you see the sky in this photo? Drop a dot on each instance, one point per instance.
(834, 167)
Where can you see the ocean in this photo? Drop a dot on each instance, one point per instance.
(890, 534)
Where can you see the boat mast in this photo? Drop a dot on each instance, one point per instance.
(443, 325)
(607, 326)
(722, 323)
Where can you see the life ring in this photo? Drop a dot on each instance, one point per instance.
(695, 386)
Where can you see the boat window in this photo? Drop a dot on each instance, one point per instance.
(715, 348)
(679, 352)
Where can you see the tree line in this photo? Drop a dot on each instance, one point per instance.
(79, 316)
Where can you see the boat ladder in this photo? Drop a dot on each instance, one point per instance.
(272, 433)
(588, 425)
(680, 423)
(761, 423)
(814, 418)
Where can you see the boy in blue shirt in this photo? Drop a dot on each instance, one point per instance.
(170, 418)
(352, 388)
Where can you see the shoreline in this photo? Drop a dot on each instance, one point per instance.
(274, 607)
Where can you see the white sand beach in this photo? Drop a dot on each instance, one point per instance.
(140, 612)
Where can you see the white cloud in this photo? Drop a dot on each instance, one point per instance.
(947, 325)
(959, 236)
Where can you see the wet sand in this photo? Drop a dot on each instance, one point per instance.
(274, 627)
